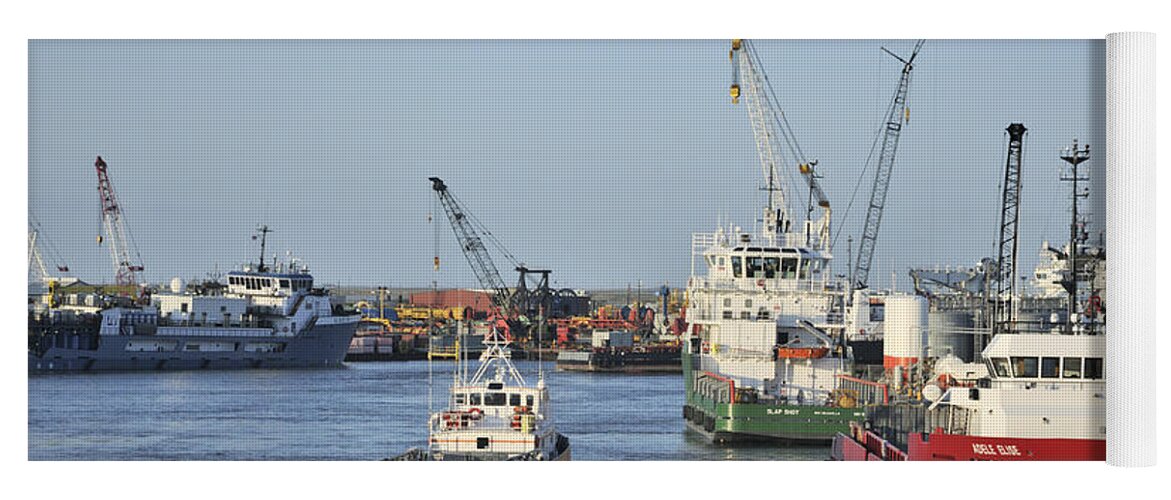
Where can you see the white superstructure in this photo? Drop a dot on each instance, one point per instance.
(1042, 386)
(495, 415)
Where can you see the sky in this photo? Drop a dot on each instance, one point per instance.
(596, 159)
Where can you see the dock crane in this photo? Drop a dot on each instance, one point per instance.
(1004, 313)
(126, 267)
(897, 115)
(512, 308)
(769, 126)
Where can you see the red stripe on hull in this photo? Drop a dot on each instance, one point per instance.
(938, 446)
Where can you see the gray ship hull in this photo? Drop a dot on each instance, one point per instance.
(321, 346)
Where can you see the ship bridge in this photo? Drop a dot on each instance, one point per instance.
(269, 284)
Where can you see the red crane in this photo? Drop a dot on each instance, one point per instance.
(125, 269)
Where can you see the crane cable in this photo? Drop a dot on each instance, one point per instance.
(55, 255)
(865, 167)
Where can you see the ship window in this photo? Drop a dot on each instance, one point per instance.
(721, 262)
(1093, 368)
(771, 264)
(481, 443)
(460, 398)
(1000, 366)
(285, 284)
(805, 269)
(727, 302)
(183, 307)
(748, 303)
(737, 267)
(727, 314)
(1071, 368)
(474, 400)
(529, 401)
(495, 399)
(745, 314)
(1049, 367)
(788, 268)
(755, 266)
(1024, 367)
(514, 400)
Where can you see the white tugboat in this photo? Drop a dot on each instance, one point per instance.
(494, 415)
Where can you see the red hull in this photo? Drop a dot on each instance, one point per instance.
(865, 445)
(938, 446)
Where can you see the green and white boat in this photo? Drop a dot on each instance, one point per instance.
(764, 355)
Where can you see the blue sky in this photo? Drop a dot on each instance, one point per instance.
(597, 159)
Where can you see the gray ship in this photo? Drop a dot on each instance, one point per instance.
(262, 318)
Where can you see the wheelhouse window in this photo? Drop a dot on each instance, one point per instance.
(1000, 367)
(1093, 368)
(529, 401)
(789, 268)
(474, 399)
(514, 400)
(737, 267)
(461, 398)
(755, 267)
(805, 269)
(285, 284)
(1024, 367)
(1071, 368)
(1050, 367)
(771, 264)
(495, 399)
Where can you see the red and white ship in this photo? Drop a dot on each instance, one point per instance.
(1044, 398)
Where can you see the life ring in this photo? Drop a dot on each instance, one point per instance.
(476, 413)
(760, 282)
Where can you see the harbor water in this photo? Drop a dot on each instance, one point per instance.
(366, 411)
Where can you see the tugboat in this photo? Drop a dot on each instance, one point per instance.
(262, 318)
(764, 351)
(494, 414)
(1043, 397)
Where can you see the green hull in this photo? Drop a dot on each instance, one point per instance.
(724, 422)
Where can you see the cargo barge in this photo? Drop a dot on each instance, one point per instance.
(636, 359)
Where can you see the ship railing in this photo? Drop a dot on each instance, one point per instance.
(868, 392)
(197, 331)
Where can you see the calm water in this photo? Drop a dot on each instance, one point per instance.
(367, 411)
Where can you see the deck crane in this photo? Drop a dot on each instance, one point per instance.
(511, 308)
(896, 116)
(1004, 317)
(769, 127)
(126, 266)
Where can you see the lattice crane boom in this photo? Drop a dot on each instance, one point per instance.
(896, 116)
(1004, 318)
(770, 131)
(472, 245)
(126, 265)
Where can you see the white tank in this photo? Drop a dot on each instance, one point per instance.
(178, 286)
(905, 328)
